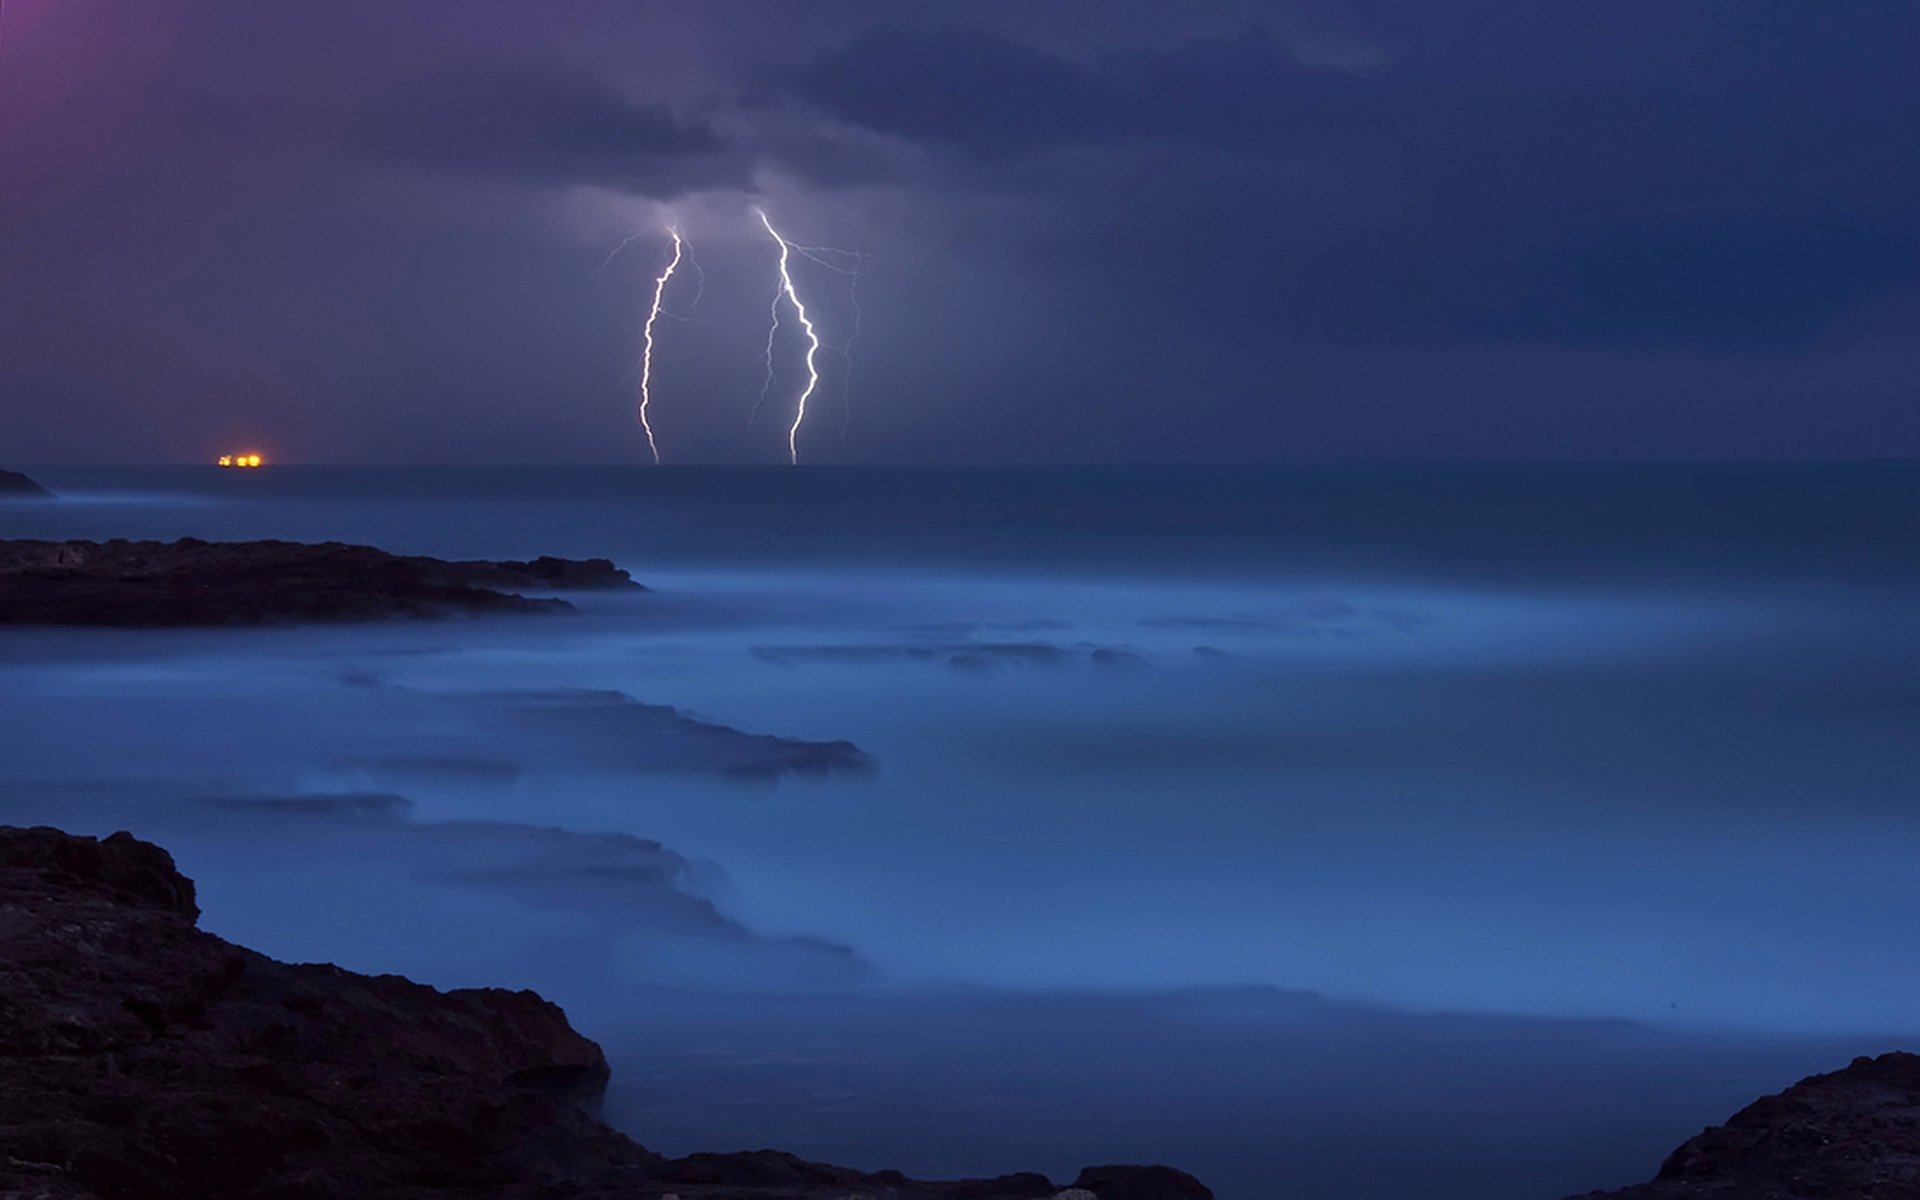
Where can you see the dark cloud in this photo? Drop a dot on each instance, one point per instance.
(992, 96)
(1677, 175)
(542, 123)
(989, 94)
(1325, 227)
(971, 88)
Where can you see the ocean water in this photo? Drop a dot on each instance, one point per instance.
(1328, 832)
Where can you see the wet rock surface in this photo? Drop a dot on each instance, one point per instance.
(142, 1058)
(191, 582)
(1852, 1134)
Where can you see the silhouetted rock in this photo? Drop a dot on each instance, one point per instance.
(142, 1059)
(13, 485)
(545, 572)
(1141, 1183)
(1853, 1134)
(191, 582)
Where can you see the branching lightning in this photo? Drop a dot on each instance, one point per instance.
(825, 256)
(646, 354)
(813, 337)
(614, 253)
(699, 282)
(683, 261)
(773, 331)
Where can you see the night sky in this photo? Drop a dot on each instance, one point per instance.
(1096, 230)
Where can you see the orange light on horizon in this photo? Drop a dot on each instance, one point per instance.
(239, 460)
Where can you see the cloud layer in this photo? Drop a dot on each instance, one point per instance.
(1500, 229)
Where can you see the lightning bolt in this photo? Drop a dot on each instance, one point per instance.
(773, 331)
(629, 240)
(646, 355)
(819, 255)
(699, 282)
(846, 354)
(792, 296)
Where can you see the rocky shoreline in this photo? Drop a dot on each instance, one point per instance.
(143, 1059)
(1851, 1134)
(148, 584)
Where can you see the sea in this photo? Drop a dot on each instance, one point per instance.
(1330, 832)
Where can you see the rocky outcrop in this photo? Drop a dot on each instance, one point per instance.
(142, 1059)
(545, 572)
(191, 582)
(1853, 1134)
(14, 485)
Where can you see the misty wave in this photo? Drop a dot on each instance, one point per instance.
(962, 655)
(631, 908)
(1284, 875)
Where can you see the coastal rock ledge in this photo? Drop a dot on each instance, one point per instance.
(143, 1059)
(193, 582)
(1851, 1134)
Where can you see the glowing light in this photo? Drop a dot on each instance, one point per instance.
(813, 337)
(239, 460)
(646, 354)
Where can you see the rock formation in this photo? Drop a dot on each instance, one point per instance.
(191, 582)
(14, 485)
(1853, 1134)
(142, 1059)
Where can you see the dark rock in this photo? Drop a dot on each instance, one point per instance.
(545, 572)
(142, 1059)
(15, 485)
(1141, 1183)
(192, 582)
(120, 868)
(1853, 1134)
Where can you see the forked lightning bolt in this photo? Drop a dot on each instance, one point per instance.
(813, 338)
(824, 256)
(646, 353)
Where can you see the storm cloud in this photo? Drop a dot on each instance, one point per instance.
(1213, 230)
(545, 123)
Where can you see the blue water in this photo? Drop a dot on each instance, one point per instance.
(1379, 831)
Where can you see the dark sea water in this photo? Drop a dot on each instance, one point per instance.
(1331, 832)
